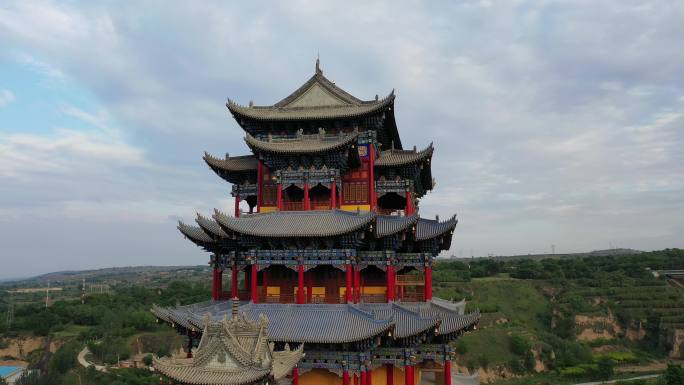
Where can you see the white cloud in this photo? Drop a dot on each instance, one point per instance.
(6, 97)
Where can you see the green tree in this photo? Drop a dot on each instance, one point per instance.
(674, 375)
(606, 368)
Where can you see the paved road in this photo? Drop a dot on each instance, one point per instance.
(85, 364)
(622, 379)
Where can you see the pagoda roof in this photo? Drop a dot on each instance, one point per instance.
(318, 98)
(290, 224)
(392, 224)
(195, 234)
(393, 158)
(233, 163)
(336, 323)
(302, 144)
(233, 350)
(429, 228)
(210, 226)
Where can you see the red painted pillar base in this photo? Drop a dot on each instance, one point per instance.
(348, 287)
(447, 372)
(428, 283)
(390, 374)
(345, 377)
(357, 284)
(333, 195)
(390, 283)
(307, 201)
(253, 282)
(300, 284)
(364, 378)
(234, 282)
(295, 376)
(408, 375)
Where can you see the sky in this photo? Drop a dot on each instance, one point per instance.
(554, 122)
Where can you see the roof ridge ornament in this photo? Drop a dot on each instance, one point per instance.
(318, 66)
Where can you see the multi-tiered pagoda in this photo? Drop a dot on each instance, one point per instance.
(332, 249)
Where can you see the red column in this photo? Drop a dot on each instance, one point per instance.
(264, 283)
(237, 206)
(447, 372)
(408, 375)
(295, 376)
(253, 282)
(309, 288)
(307, 202)
(333, 195)
(348, 291)
(371, 176)
(369, 377)
(390, 283)
(215, 294)
(357, 291)
(409, 203)
(234, 281)
(364, 377)
(345, 377)
(279, 197)
(259, 185)
(300, 283)
(428, 283)
(390, 374)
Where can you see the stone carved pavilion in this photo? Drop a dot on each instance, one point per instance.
(329, 243)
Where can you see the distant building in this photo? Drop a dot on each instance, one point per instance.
(333, 250)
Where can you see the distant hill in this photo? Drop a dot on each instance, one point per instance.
(595, 253)
(127, 273)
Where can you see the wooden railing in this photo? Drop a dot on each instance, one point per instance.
(410, 280)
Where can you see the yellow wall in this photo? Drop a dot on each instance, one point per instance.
(354, 207)
(324, 377)
(273, 290)
(319, 377)
(268, 209)
(374, 290)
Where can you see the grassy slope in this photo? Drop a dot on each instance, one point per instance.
(519, 306)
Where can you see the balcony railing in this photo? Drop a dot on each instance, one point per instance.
(410, 280)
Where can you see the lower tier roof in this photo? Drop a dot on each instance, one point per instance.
(334, 323)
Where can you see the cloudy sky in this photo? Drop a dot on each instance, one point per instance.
(555, 122)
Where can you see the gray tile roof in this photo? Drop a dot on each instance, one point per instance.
(427, 228)
(329, 102)
(334, 323)
(304, 144)
(233, 163)
(195, 234)
(288, 224)
(393, 158)
(390, 224)
(232, 351)
(210, 226)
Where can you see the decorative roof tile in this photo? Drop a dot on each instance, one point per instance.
(233, 163)
(233, 350)
(291, 224)
(302, 144)
(428, 229)
(393, 158)
(392, 224)
(335, 323)
(195, 234)
(318, 98)
(210, 226)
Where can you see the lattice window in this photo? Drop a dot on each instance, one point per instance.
(268, 194)
(355, 192)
